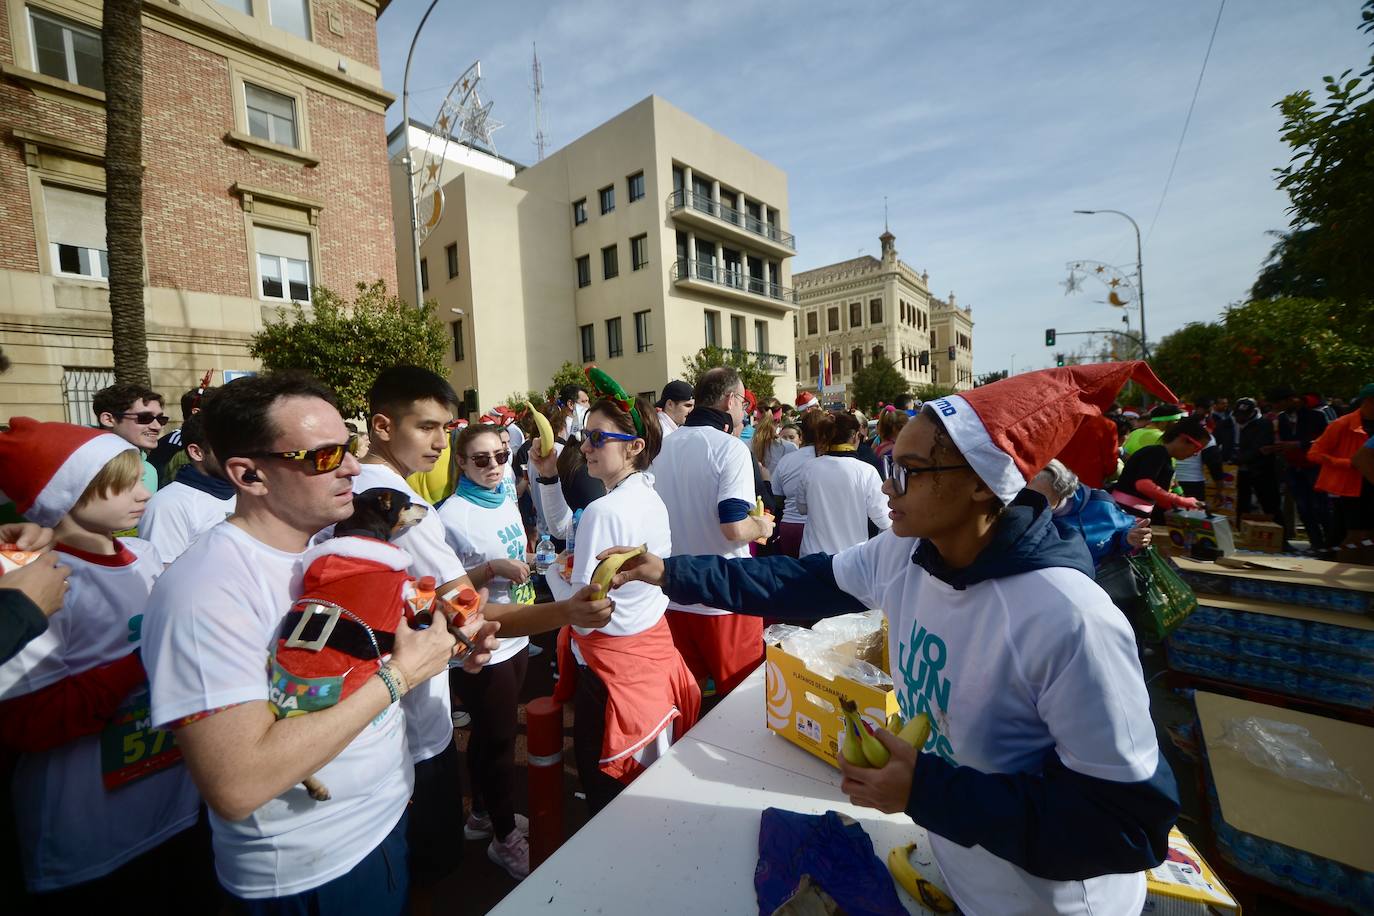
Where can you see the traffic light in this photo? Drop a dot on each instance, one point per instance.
(1049, 337)
(1059, 359)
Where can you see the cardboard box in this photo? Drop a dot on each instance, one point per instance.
(1266, 537)
(1185, 885)
(1284, 580)
(804, 707)
(1189, 527)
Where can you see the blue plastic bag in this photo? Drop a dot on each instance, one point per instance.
(837, 855)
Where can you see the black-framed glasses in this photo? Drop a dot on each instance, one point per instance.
(484, 459)
(599, 437)
(898, 473)
(146, 418)
(323, 459)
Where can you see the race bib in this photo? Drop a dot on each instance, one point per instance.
(522, 592)
(130, 748)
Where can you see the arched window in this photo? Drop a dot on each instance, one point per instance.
(856, 360)
(834, 364)
(815, 365)
(877, 351)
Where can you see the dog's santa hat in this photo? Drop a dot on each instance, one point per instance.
(806, 400)
(45, 467)
(1009, 430)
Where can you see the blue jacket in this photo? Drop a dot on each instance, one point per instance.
(1054, 823)
(1094, 516)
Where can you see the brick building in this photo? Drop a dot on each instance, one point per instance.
(265, 174)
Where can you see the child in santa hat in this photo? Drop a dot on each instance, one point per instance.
(102, 802)
(1041, 785)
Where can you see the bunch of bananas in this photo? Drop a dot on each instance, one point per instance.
(910, 880)
(861, 746)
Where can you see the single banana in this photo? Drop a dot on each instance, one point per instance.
(605, 570)
(757, 511)
(894, 723)
(916, 731)
(541, 423)
(874, 751)
(851, 744)
(910, 880)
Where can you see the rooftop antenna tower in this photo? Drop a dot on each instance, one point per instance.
(539, 140)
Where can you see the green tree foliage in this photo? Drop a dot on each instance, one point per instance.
(987, 378)
(346, 344)
(932, 391)
(756, 378)
(570, 373)
(878, 382)
(1195, 361)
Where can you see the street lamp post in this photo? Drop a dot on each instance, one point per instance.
(1139, 274)
(410, 164)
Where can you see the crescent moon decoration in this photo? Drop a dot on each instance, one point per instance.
(1122, 291)
(462, 117)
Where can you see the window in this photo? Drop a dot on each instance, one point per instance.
(271, 115)
(76, 232)
(875, 311)
(713, 329)
(78, 391)
(610, 262)
(283, 264)
(642, 343)
(424, 273)
(639, 252)
(607, 195)
(811, 323)
(243, 6)
(579, 211)
(291, 16)
(451, 254)
(614, 347)
(588, 343)
(635, 186)
(815, 365)
(832, 319)
(736, 332)
(877, 352)
(67, 51)
(584, 271)
(856, 360)
(856, 314)
(761, 336)
(458, 341)
(834, 364)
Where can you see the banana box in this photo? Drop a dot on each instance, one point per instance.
(804, 707)
(1184, 885)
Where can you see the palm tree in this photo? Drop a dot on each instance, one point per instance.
(122, 36)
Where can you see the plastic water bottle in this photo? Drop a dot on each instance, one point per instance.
(544, 553)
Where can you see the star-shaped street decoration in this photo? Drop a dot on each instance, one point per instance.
(1114, 282)
(443, 123)
(1073, 284)
(1099, 268)
(433, 168)
(479, 124)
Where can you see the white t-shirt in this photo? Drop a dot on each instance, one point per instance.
(629, 515)
(428, 709)
(477, 534)
(787, 480)
(178, 514)
(776, 451)
(698, 468)
(1007, 669)
(839, 496)
(211, 623)
(517, 437)
(666, 424)
(71, 828)
(1189, 470)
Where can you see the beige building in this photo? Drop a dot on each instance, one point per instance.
(264, 176)
(632, 247)
(852, 312)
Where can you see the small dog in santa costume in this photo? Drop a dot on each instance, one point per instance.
(355, 589)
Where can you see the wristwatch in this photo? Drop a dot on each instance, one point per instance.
(546, 480)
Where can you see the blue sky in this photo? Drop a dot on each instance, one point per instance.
(984, 123)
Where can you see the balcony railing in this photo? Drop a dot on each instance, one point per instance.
(731, 276)
(683, 199)
(770, 362)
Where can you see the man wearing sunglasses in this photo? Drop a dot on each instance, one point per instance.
(134, 414)
(206, 635)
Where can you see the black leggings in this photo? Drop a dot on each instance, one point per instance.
(491, 697)
(589, 730)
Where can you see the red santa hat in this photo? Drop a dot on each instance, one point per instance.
(45, 467)
(806, 400)
(1009, 430)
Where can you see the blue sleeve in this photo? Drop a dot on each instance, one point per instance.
(1056, 824)
(732, 510)
(1124, 522)
(781, 587)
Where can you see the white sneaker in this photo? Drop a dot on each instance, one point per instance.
(512, 854)
(478, 826)
(461, 719)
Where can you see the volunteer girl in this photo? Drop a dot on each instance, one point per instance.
(890, 423)
(632, 693)
(483, 527)
(1041, 786)
(839, 494)
(791, 433)
(1143, 487)
(769, 448)
(787, 481)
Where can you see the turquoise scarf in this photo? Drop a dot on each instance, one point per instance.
(479, 495)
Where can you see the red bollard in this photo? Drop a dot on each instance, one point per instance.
(544, 736)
